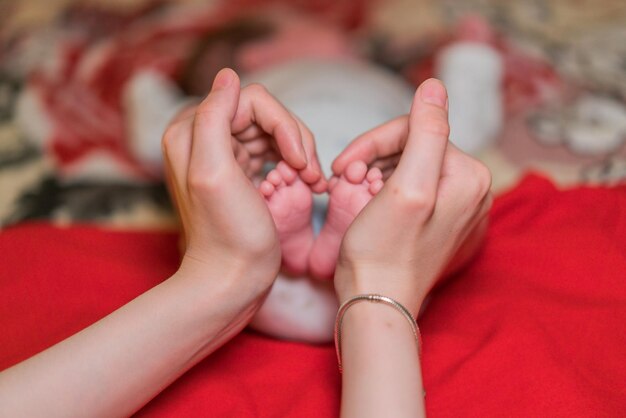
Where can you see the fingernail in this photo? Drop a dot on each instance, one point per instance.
(223, 79)
(433, 92)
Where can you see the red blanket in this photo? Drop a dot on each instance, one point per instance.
(535, 327)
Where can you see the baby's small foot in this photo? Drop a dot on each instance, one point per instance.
(290, 202)
(348, 196)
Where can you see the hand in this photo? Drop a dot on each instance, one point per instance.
(434, 198)
(211, 153)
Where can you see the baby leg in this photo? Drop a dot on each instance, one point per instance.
(348, 196)
(290, 202)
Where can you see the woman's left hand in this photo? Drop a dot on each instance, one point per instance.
(231, 259)
(211, 153)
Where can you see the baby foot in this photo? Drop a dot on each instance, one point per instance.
(290, 202)
(348, 196)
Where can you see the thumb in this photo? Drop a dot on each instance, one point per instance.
(419, 168)
(211, 143)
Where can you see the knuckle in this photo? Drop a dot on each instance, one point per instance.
(417, 201)
(211, 107)
(167, 141)
(170, 138)
(197, 183)
(437, 126)
(206, 110)
(256, 89)
(200, 183)
(483, 179)
(473, 180)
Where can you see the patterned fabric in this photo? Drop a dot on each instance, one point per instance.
(565, 86)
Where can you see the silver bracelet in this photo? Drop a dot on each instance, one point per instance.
(376, 299)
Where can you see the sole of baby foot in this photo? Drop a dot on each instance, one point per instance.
(290, 202)
(349, 194)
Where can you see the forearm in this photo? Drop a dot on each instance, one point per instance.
(118, 364)
(381, 367)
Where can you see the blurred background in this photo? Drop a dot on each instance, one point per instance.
(87, 87)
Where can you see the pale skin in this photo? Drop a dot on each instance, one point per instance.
(359, 174)
(427, 217)
(437, 197)
(118, 364)
(434, 197)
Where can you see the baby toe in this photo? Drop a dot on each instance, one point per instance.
(355, 172)
(288, 174)
(266, 188)
(374, 174)
(274, 177)
(376, 186)
(332, 183)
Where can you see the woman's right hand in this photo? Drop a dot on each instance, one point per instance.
(435, 197)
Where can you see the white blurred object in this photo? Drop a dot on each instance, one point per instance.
(31, 117)
(597, 125)
(472, 72)
(98, 166)
(150, 102)
(337, 99)
(592, 125)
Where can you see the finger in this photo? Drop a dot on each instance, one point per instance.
(320, 187)
(270, 156)
(381, 142)
(254, 167)
(256, 105)
(312, 174)
(257, 146)
(332, 183)
(250, 133)
(242, 157)
(211, 140)
(387, 173)
(419, 168)
(465, 183)
(387, 162)
(257, 162)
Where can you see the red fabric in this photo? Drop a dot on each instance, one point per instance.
(535, 327)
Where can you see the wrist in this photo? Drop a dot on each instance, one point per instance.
(379, 346)
(400, 285)
(219, 296)
(371, 318)
(374, 319)
(233, 277)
